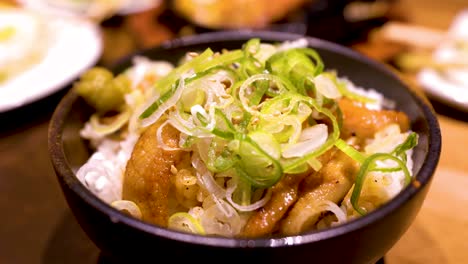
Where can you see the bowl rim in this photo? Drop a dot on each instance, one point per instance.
(424, 175)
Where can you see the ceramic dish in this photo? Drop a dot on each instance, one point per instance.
(365, 240)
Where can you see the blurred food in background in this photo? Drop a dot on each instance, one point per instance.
(19, 29)
(41, 51)
(336, 20)
(348, 21)
(222, 14)
(428, 47)
(97, 10)
(437, 58)
(132, 25)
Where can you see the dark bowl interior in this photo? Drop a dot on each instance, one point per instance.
(364, 240)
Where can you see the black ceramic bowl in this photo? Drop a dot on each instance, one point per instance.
(364, 240)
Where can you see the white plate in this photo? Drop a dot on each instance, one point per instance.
(449, 86)
(76, 46)
(443, 89)
(91, 8)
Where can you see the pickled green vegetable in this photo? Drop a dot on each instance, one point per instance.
(102, 90)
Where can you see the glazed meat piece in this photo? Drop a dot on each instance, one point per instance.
(284, 194)
(147, 179)
(363, 122)
(264, 221)
(331, 183)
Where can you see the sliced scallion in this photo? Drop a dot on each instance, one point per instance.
(369, 165)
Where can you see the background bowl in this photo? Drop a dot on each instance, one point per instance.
(364, 240)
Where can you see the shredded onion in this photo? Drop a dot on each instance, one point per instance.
(185, 222)
(221, 219)
(245, 88)
(326, 87)
(247, 208)
(160, 140)
(164, 106)
(311, 139)
(106, 129)
(334, 208)
(205, 178)
(129, 206)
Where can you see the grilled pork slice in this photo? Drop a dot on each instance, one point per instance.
(147, 179)
(265, 221)
(364, 123)
(331, 183)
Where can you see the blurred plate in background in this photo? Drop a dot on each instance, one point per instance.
(68, 46)
(95, 9)
(448, 83)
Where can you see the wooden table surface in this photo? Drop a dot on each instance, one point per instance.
(37, 227)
